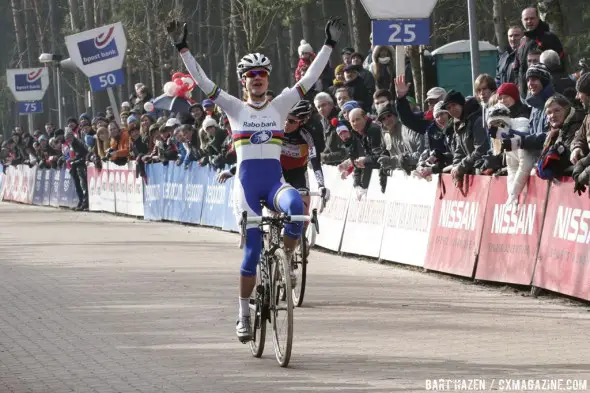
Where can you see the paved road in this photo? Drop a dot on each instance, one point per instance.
(98, 303)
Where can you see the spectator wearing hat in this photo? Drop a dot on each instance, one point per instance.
(581, 145)
(346, 54)
(84, 120)
(118, 151)
(369, 148)
(540, 88)
(333, 153)
(212, 139)
(402, 147)
(123, 116)
(367, 76)
(356, 85)
(338, 79)
(471, 138)
(383, 66)
(509, 96)
(164, 147)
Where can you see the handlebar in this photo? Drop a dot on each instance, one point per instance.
(285, 218)
(315, 193)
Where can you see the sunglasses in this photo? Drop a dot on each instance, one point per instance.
(292, 121)
(255, 73)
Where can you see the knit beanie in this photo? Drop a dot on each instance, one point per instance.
(350, 105)
(499, 112)
(454, 97)
(208, 122)
(541, 72)
(438, 108)
(583, 84)
(304, 47)
(509, 89)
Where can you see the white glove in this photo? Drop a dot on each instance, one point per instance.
(325, 192)
(360, 193)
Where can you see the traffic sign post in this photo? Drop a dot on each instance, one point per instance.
(28, 86)
(99, 53)
(400, 23)
(401, 32)
(27, 107)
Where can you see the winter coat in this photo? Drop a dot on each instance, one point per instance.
(540, 38)
(538, 121)
(403, 146)
(582, 137)
(360, 93)
(518, 163)
(564, 136)
(471, 137)
(120, 146)
(505, 72)
(139, 147)
(436, 137)
(368, 144)
(387, 71)
(334, 152)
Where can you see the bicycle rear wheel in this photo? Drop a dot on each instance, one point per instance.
(300, 269)
(282, 308)
(259, 314)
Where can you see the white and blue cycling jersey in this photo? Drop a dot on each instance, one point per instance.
(257, 132)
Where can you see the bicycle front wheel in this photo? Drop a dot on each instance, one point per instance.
(259, 313)
(282, 308)
(300, 269)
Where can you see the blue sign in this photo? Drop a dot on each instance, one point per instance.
(173, 191)
(153, 192)
(54, 188)
(67, 190)
(194, 191)
(99, 48)
(48, 181)
(28, 82)
(109, 79)
(39, 191)
(215, 200)
(401, 32)
(30, 107)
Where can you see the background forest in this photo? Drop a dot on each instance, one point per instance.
(224, 30)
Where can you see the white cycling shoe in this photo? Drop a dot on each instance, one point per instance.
(244, 329)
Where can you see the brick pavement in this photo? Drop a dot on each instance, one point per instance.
(98, 303)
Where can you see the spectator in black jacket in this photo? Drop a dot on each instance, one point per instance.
(355, 83)
(78, 168)
(562, 82)
(505, 69)
(369, 134)
(536, 36)
(333, 153)
(472, 141)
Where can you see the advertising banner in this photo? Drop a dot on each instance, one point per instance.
(54, 190)
(9, 180)
(1, 182)
(457, 223)
(134, 192)
(408, 217)
(107, 194)
(47, 182)
(365, 221)
(28, 84)
(173, 193)
(216, 195)
(94, 188)
(120, 181)
(229, 217)
(563, 263)
(39, 193)
(334, 215)
(511, 233)
(67, 190)
(195, 179)
(153, 192)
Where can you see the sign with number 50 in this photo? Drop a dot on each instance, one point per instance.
(401, 32)
(109, 79)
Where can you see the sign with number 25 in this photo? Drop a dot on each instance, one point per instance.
(401, 32)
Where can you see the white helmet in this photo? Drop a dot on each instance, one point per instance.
(253, 60)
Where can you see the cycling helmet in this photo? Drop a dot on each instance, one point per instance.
(301, 110)
(253, 60)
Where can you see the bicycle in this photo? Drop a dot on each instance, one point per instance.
(273, 291)
(300, 256)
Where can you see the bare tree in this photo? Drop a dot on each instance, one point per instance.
(500, 24)
(74, 20)
(361, 26)
(19, 30)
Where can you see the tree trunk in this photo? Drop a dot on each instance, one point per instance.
(551, 12)
(18, 31)
(53, 25)
(294, 39)
(413, 52)
(349, 7)
(149, 9)
(38, 13)
(211, 35)
(361, 26)
(283, 76)
(236, 34)
(88, 7)
(500, 25)
(29, 36)
(80, 88)
(306, 24)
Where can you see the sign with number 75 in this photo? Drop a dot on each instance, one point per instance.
(401, 32)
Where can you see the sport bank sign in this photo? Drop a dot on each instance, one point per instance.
(28, 84)
(98, 50)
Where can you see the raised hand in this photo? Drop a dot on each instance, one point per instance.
(401, 87)
(177, 33)
(334, 29)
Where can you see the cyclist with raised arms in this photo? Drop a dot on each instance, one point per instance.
(257, 136)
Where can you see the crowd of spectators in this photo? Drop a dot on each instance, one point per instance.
(531, 117)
